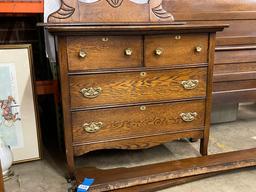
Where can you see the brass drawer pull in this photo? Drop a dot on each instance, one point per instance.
(128, 52)
(91, 92)
(104, 39)
(143, 108)
(143, 74)
(188, 117)
(92, 127)
(199, 49)
(177, 37)
(190, 84)
(159, 51)
(82, 54)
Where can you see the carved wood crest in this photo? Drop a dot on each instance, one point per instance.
(112, 11)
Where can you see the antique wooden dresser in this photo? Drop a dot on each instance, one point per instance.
(133, 79)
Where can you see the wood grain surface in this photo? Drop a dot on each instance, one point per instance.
(104, 52)
(124, 88)
(127, 122)
(107, 180)
(236, 56)
(177, 49)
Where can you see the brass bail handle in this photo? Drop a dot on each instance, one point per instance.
(91, 92)
(188, 117)
(190, 84)
(92, 127)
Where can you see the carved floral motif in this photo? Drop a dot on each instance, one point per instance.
(155, 6)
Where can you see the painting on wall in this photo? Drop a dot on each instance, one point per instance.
(18, 116)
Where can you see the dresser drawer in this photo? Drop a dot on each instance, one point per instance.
(134, 87)
(164, 50)
(99, 52)
(137, 121)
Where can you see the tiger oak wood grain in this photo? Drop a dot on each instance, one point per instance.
(104, 52)
(123, 88)
(177, 49)
(123, 123)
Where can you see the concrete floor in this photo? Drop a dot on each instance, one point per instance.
(48, 176)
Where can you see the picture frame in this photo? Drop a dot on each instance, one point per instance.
(19, 121)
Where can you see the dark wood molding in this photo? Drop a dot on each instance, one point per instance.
(48, 87)
(224, 77)
(234, 96)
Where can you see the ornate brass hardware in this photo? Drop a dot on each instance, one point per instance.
(92, 127)
(128, 52)
(91, 92)
(143, 108)
(143, 74)
(82, 54)
(188, 117)
(199, 49)
(159, 51)
(190, 84)
(177, 37)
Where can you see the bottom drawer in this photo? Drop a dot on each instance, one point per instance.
(137, 121)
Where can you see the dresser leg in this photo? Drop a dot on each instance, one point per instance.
(204, 146)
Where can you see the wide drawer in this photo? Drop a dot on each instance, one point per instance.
(99, 52)
(164, 50)
(134, 87)
(137, 121)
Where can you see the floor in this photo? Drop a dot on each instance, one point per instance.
(48, 176)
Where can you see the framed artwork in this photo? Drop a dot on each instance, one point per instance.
(18, 114)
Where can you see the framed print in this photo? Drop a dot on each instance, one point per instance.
(18, 114)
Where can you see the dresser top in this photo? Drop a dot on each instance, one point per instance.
(132, 28)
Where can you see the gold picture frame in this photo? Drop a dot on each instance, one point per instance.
(19, 120)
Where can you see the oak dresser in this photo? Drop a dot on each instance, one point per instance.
(136, 81)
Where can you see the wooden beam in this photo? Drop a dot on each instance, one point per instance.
(48, 87)
(22, 7)
(152, 187)
(106, 180)
(234, 96)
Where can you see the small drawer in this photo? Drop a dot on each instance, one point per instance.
(134, 87)
(137, 121)
(164, 50)
(99, 52)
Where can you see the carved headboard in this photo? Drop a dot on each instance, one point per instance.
(110, 11)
